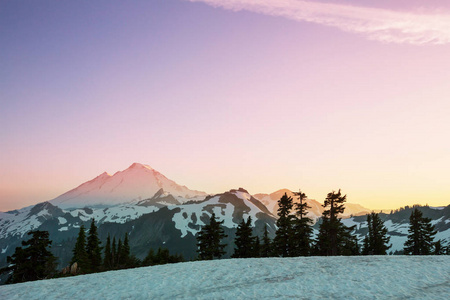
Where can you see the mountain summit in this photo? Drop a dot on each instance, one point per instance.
(136, 183)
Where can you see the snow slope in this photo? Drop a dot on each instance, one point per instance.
(136, 183)
(364, 277)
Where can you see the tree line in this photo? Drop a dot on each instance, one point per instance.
(294, 234)
(293, 237)
(34, 261)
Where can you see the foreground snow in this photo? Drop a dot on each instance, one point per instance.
(364, 277)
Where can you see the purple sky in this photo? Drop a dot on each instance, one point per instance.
(222, 94)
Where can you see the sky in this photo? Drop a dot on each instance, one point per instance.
(221, 94)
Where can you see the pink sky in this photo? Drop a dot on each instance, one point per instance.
(224, 94)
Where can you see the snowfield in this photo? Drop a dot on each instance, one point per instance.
(362, 277)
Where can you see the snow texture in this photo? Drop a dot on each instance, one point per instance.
(363, 277)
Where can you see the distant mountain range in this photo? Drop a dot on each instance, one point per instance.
(157, 212)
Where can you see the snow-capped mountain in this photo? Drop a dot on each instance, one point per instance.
(157, 212)
(315, 212)
(159, 221)
(137, 183)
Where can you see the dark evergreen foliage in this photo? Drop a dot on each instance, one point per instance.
(302, 227)
(244, 241)
(420, 235)
(284, 243)
(376, 241)
(108, 259)
(209, 240)
(34, 261)
(438, 249)
(256, 247)
(113, 253)
(93, 249)
(334, 238)
(161, 257)
(79, 252)
(266, 247)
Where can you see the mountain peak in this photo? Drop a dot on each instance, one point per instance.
(139, 166)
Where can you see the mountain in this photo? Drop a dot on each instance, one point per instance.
(315, 212)
(156, 212)
(160, 221)
(136, 183)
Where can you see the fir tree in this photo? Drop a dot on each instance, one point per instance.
(209, 240)
(119, 254)
(79, 252)
(420, 235)
(302, 226)
(376, 241)
(257, 247)
(334, 238)
(107, 262)
(244, 241)
(125, 255)
(113, 253)
(284, 241)
(149, 260)
(266, 247)
(438, 249)
(33, 262)
(93, 249)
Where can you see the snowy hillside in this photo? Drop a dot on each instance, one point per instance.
(315, 212)
(368, 277)
(136, 183)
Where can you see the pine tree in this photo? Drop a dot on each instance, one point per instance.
(284, 237)
(79, 252)
(149, 260)
(302, 226)
(256, 247)
(376, 241)
(125, 255)
(93, 249)
(113, 253)
(33, 262)
(119, 254)
(420, 235)
(438, 249)
(244, 241)
(209, 240)
(107, 262)
(334, 238)
(266, 247)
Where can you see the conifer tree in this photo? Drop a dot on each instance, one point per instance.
(113, 253)
(93, 249)
(284, 237)
(79, 252)
(334, 238)
(125, 255)
(302, 226)
(266, 247)
(209, 240)
(257, 247)
(376, 241)
(244, 241)
(420, 235)
(33, 262)
(107, 262)
(438, 249)
(119, 254)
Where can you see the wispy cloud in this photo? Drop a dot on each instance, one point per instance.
(376, 24)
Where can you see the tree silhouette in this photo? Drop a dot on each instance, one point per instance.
(420, 235)
(209, 240)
